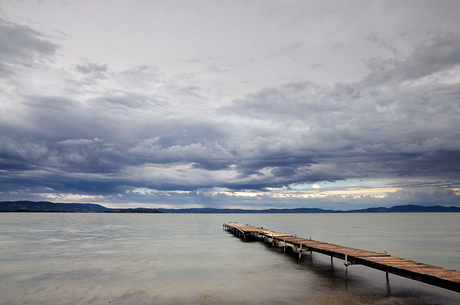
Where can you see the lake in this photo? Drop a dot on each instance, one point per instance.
(64, 258)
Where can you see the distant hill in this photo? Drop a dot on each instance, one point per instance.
(243, 211)
(408, 209)
(44, 206)
(138, 210)
(395, 209)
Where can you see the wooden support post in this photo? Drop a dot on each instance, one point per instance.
(300, 252)
(388, 284)
(387, 271)
(346, 267)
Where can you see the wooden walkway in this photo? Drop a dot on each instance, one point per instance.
(445, 278)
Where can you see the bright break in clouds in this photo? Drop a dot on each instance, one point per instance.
(252, 104)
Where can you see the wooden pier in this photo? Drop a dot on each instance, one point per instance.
(445, 278)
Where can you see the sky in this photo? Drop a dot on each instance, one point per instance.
(230, 104)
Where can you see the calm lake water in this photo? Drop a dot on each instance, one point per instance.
(188, 259)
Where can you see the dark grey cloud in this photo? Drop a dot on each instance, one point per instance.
(93, 70)
(383, 43)
(22, 46)
(297, 133)
(140, 134)
(425, 196)
(439, 53)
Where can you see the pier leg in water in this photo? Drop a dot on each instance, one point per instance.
(346, 263)
(388, 280)
(388, 283)
(300, 252)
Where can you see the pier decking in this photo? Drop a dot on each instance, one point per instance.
(445, 278)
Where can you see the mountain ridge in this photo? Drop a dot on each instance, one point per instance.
(46, 206)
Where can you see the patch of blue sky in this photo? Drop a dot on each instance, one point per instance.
(373, 183)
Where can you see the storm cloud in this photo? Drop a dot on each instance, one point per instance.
(269, 120)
